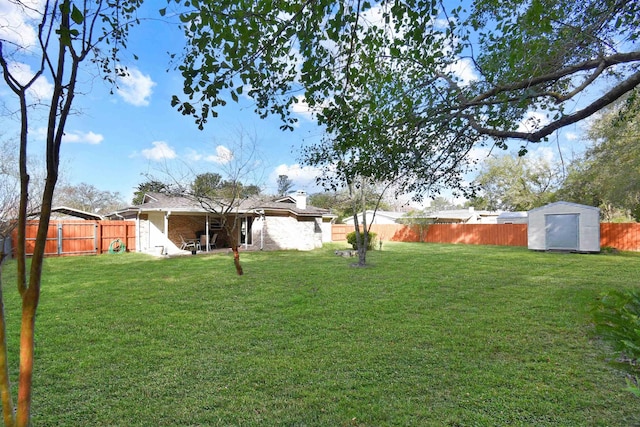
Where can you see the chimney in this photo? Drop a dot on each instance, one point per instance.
(301, 199)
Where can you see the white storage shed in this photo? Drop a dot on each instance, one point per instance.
(564, 226)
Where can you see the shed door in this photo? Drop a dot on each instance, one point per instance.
(562, 231)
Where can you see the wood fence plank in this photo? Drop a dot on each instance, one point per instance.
(80, 237)
(625, 237)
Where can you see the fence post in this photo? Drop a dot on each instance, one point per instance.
(59, 238)
(97, 238)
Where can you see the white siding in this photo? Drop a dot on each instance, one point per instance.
(288, 233)
(326, 231)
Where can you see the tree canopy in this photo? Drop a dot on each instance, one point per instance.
(150, 186)
(513, 183)
(211, 186)
(406, 88)
(608, 175)
(284, 185)
(340, 203)
(88, 198)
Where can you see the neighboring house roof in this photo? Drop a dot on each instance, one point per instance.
(462, 215)
(513, 215)
(64, 210)
(380, 215)
(457, 215)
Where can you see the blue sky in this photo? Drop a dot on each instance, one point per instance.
(114, 140)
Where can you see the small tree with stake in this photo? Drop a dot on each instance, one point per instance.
(224, 197)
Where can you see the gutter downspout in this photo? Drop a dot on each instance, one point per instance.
(138, 242)
(246, 231)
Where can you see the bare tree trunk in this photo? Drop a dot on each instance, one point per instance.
(363, 242)
(5, 383)
(236, 259)
(361, 238)
(232, 231)
(25, 379)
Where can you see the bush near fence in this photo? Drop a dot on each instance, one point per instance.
(624, 237)
(80, 237)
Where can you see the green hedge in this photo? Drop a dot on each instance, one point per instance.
(351, 239)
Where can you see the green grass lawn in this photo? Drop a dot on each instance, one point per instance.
(428, 335)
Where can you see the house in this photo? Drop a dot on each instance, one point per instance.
(164, 222)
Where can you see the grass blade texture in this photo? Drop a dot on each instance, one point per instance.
(427, 335)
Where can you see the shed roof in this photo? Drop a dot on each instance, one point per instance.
(551, 206)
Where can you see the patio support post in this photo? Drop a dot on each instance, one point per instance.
(166, 225)
(206, 231)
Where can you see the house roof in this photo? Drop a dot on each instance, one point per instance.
(164, 202)
(292, 207)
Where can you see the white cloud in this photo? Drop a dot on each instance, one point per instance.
(463, 69)
(160, 151)
(17, 22)
(543, 154)
(70, 137)
(223, 155)
(83, 137)
(303, 177)
(572, 136)
(303, 109)
(40, 89)
(478, 154)
(532, 121)
(193, 155)
(135, 88)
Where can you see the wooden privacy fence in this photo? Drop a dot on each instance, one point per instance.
(78, 237)
(625, 237)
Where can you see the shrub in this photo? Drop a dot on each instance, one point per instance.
(351, 239)
(617, 320)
